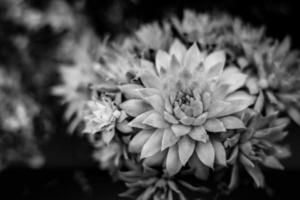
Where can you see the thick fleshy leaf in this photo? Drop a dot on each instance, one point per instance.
(246, 161)
(220, 153)
(178, 112)
(257, 175)
(259, 104)
(137, 122)
(206, 153)
(233, 77)
(241, 95)
(272, 162)
(220, 92)
(216, 108)
(234, 107)
(170, 118)
(156, 102)
(169, 139)
(294, 114)
(130, 91)
(180, 130)
(214, 125)
(178, 50)
(252, 85)
(192, 57)
(146, 92)
(156, 120)
(155, 160)
(187, 120)
(162, 60)
(186, 147)
(201, 171)
(214, 64)
(231, 122)
(150, 80)
(200, 119)
(173, 163)
(138, 141)
(199, 134)
(135, 107)
(153, 144)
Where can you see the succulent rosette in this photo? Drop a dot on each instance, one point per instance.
(256, 146)
(182, 101)
(205, 96)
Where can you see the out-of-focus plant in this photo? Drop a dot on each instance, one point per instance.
(18, 143)
(193, 97)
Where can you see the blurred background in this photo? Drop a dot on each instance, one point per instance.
(31, 34)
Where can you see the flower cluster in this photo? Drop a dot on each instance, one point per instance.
(193, 97)
(17, 140)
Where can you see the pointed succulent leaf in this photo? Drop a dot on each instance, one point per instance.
(155, 160)
(206, 153)
(156, 102)
(135, 107)
(192, 57)
(272, 162)
(156, 120)
(162, 60)
(178, 50)
(170, 118)
(130, 91)
(200, 119)
(137, 122)
(169, 139)
(186, 147)
(214, 125)
(199, 134)
(246, 161)
(257, 175)
(138, 141)
(214, 64)
(216, 108)
(231, 122)
(173, 163)
(150, 80)
(220, 153)
(234, 78)
(153, 144)
(259, 104)
(180, 130)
